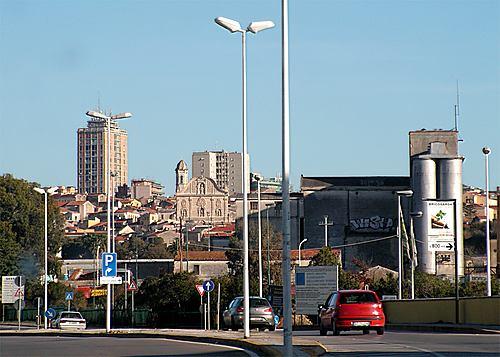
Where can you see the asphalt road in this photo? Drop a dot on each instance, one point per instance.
(406, 344)
(54, 346)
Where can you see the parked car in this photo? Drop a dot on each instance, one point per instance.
(261, 314)
(346, 310)
(70, 320)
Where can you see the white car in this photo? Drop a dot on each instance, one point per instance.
(70, 320)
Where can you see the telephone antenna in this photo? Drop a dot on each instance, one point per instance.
(457, 109)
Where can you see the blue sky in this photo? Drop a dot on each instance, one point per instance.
(362, 75)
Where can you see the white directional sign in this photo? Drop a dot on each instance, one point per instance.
(111, 280)
(12, 289)
(440, 246)
(109, 264)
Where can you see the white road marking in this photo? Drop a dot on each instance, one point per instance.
(250, 353)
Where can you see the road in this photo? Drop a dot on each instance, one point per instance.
(54, 346)
(406, 344)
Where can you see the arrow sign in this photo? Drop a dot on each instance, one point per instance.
(449, 246)
(208, 285)
(50, 313)
(200, 290)
(440, 246)
(109, 264)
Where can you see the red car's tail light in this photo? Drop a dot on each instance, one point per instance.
(268, 310)
(240, 309)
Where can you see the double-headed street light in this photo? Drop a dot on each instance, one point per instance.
(405, 193)
(108, 119)
(486, 152)
(254, 27)
(46, 193)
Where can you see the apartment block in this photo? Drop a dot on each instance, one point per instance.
(92, 163)
(225, 168)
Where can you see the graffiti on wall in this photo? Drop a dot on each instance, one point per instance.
(372, 224)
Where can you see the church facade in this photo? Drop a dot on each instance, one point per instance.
(200, 200)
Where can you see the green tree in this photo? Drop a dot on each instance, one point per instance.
(9, 250)
(325, 256)
(22, 210)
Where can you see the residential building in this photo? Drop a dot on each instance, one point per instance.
(225, 168)
(92, 164)
(145, 190)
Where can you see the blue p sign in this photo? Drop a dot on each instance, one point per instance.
(108, 264)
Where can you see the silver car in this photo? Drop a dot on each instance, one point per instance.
(70, 320)
(261, 314)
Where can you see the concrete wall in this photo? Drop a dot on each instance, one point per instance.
(479, 310)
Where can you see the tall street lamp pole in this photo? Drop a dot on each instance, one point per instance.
(45, 193)
(108, 119)
(486, 152)
(406, 193)
(254, 27)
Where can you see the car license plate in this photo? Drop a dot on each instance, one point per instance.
(361, 323)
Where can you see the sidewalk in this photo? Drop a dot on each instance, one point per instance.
(262, 343)
(445, 327)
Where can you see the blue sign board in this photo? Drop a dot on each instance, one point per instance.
(109, 264)
(50, 313)
(69, 295)
(208, 285)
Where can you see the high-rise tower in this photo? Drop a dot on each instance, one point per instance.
(225, 168)
(92, 149)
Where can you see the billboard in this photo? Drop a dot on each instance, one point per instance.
(12, 289)
(313, 284)
(440, 225)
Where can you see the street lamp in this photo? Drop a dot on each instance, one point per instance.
(486, 152)
(405, 193)
(254, 27)
(45, 193)
(418, 214)
(300, 244)
(108, 119)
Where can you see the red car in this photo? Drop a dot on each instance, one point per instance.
(346, 310)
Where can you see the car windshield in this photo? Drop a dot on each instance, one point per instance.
(357, 298)
(259, 303)
(71, 315)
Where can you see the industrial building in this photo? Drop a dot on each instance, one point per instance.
(436, 174)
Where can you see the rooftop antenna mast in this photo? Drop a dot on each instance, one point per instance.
(457, 110)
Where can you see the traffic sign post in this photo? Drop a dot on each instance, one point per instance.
(50, 314)
(440, 245)
(208, 286)
(109, 265)
(201, 291)
(69, 297)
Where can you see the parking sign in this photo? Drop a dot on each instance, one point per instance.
(109, 264)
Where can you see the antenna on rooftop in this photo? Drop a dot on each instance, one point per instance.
(457, 109)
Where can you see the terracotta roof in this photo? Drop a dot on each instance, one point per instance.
(204, 256)
(307, 254)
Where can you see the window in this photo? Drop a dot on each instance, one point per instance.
(254, 206)
(196, 269)
(358, 298)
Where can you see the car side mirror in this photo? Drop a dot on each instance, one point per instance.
(321, 306)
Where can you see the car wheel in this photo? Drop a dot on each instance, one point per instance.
(322, 330)
(272, 328)
(335, 330)
(233, 325)
(380, 331)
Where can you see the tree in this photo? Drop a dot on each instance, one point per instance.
(85, 247)
(22, 212)
(325, 256)
(9, 250)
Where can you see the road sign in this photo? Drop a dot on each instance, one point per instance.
(132, 286)
(111, 280)
(208, 285)
(50, 313)
(69, 295)
(10, 290)
(440, 246)
(313, 285)
(200, 290)
(16, 304)
(108, 264)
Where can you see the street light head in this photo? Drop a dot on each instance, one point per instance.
(39, 190)
(121, 116)
(258, 26)
(417, 214)
(228, 24)
(406, 193)
(52, 190)
(486, 150)
(98, 115)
